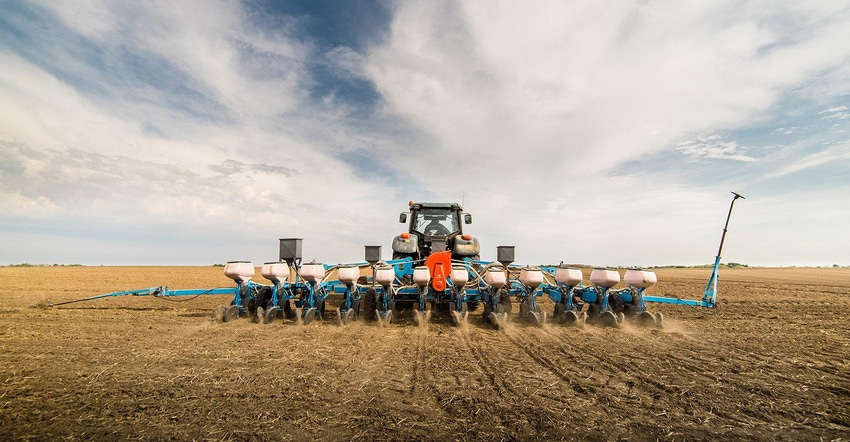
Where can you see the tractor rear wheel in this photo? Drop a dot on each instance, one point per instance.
(369, 306)
(523, 309)
(560, 312)
(355, 306)
(264, 296)
(505, 300)
(615, 302)
(250, 304)
(593, 311)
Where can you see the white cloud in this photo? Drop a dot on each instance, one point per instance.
(89, 18)
(830, 155)
(591, 83)
(542, 99)
(713, 147)
(89, 157)
(523, 111)
(837, 113)
(833, 110)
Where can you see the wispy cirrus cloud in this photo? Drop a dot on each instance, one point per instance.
(838, 155)
(837, 112)
(713, 147)
(230, 167)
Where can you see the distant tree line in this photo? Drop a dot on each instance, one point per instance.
(26, 264)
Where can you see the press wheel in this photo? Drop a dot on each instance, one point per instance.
(309, 315)
(385, 319)
(499, 320)
(646, 319)
(347, 317)
(459, 318)
(608, 319)
(536, 318)
(271, 315)
(231, 314)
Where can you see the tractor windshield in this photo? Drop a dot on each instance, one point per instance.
(436, 222)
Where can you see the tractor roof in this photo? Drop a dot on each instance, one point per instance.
(448, 206)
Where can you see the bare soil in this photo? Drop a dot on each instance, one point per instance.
(772, 364)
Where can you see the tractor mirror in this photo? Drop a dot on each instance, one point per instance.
(467, 218)
(402, 218)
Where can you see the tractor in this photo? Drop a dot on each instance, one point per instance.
(435, 227)
(439, 256)
(434, 265)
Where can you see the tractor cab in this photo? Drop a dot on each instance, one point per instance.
(435, 227)
(431, 221)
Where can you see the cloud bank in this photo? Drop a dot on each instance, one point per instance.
(193, 133)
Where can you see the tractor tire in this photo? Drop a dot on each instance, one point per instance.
(524, 309)
(264, 295)
(630, 310)
(560, 312)
(369, 306)
(593, 311)
(505, 301)
(355, 305)
(615, 302)
(251, 305)
(472, 305)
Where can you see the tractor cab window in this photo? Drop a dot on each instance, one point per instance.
(436, 222)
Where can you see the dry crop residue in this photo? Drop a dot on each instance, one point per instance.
(772, 363)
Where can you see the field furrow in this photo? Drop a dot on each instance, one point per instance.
(771, 364)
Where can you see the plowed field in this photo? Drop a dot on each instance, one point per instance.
(772, 364)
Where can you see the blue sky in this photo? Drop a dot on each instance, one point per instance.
(197, 132)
